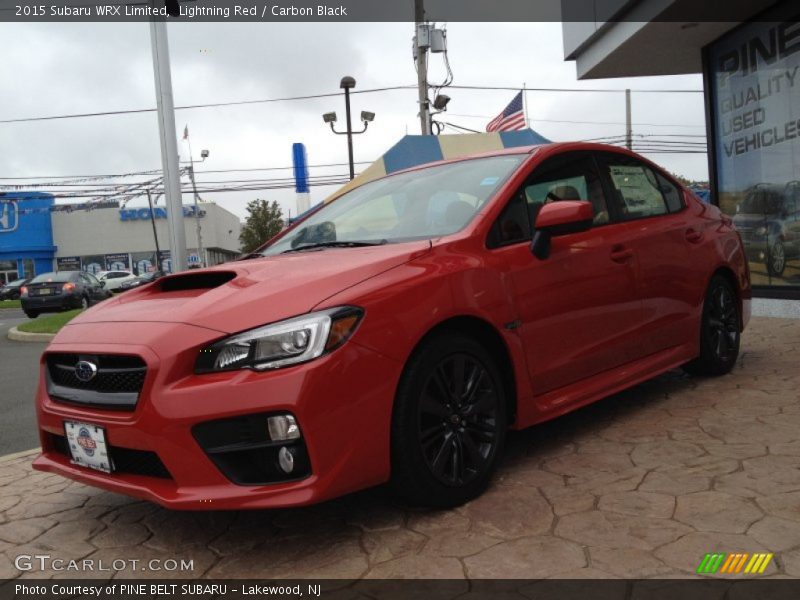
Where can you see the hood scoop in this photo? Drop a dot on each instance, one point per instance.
(196, 281)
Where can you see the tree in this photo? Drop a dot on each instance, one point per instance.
(264, 220)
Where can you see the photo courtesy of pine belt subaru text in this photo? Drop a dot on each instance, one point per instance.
(395, 334)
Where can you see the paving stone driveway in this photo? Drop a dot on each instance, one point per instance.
(642, 484)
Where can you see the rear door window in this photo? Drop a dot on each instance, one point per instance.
(637, 190)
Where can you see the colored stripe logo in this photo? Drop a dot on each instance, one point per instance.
(735, 563)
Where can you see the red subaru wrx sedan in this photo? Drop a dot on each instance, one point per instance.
(396, 333)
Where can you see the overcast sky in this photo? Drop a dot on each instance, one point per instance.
(54, 68)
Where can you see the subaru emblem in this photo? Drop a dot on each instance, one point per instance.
(85, 370)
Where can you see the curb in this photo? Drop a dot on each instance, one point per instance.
(15, 455)
(21, 336)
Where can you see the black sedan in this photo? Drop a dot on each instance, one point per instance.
(140, 280)
(11, 290)
(54, 292)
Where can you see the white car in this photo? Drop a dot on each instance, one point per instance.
(113, 279)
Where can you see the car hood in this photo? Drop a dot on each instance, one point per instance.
(237, 296)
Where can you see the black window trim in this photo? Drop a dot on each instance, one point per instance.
(588, 154)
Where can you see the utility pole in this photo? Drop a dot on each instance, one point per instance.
(196, 212)
(628, 126)
(155, 235)
(169, 143)
(421, 45)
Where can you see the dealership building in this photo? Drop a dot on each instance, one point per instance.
(751, 78)
(37, 235)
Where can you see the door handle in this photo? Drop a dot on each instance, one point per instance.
(621, 254)
(693, 236)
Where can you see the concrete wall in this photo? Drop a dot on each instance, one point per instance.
(101, 231)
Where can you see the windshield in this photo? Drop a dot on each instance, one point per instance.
(420, 204)
(763, 201)
(15, 283)
(59, 277)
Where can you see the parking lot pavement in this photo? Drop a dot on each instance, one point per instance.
(19, 374)
(642, 484)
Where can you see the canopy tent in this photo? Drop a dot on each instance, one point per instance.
(414, 150)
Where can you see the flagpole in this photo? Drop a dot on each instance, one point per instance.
(525, 105)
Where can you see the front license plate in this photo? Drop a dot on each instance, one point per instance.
(87, 445)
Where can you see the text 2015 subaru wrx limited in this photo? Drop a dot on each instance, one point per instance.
(396, 333)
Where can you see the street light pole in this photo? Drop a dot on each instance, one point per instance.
(347, 84)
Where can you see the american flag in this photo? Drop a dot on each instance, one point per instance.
(511, 119)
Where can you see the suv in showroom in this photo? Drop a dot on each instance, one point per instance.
(768, 220)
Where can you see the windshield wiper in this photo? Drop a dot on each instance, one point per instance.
(337, 244)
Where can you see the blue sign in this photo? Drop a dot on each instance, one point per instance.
(300, 162)
(26, 231)
(143, 214)
(9, 216)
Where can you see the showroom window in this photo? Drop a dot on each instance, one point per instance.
(754, 118)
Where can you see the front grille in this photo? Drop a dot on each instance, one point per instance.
(125, 460)
(117, 383)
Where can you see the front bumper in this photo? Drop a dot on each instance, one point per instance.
(342, 402)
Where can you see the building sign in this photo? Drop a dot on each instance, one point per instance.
(755, 92)
(68, 263)
(165, 261)
(9, 216)
(143, 214)
(118, 262)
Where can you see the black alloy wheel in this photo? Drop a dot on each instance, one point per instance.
(720, 330)
(449, 422)
(457, 420)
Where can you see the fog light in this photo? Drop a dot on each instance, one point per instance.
(283, 427)
(286, 460)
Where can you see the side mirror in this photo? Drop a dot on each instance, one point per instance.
(560, 218)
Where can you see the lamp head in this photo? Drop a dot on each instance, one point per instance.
(440, 102)
(329, 117)
(367, 117)
(347, 83)
(204, 153)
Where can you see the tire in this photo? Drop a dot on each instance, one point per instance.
(776, 259)
(31, 314)
(446, 439)
(84, 303)
(719, 330)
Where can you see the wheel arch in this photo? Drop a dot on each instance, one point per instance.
(486, 334)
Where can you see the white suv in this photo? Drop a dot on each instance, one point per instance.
(113, 279)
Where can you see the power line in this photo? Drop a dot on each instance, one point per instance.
(516, 88)
(155, 171)
(193, 106)
(327, 95)
(588, 122)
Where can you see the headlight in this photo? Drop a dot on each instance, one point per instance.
(761, 231)
(281, 344)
